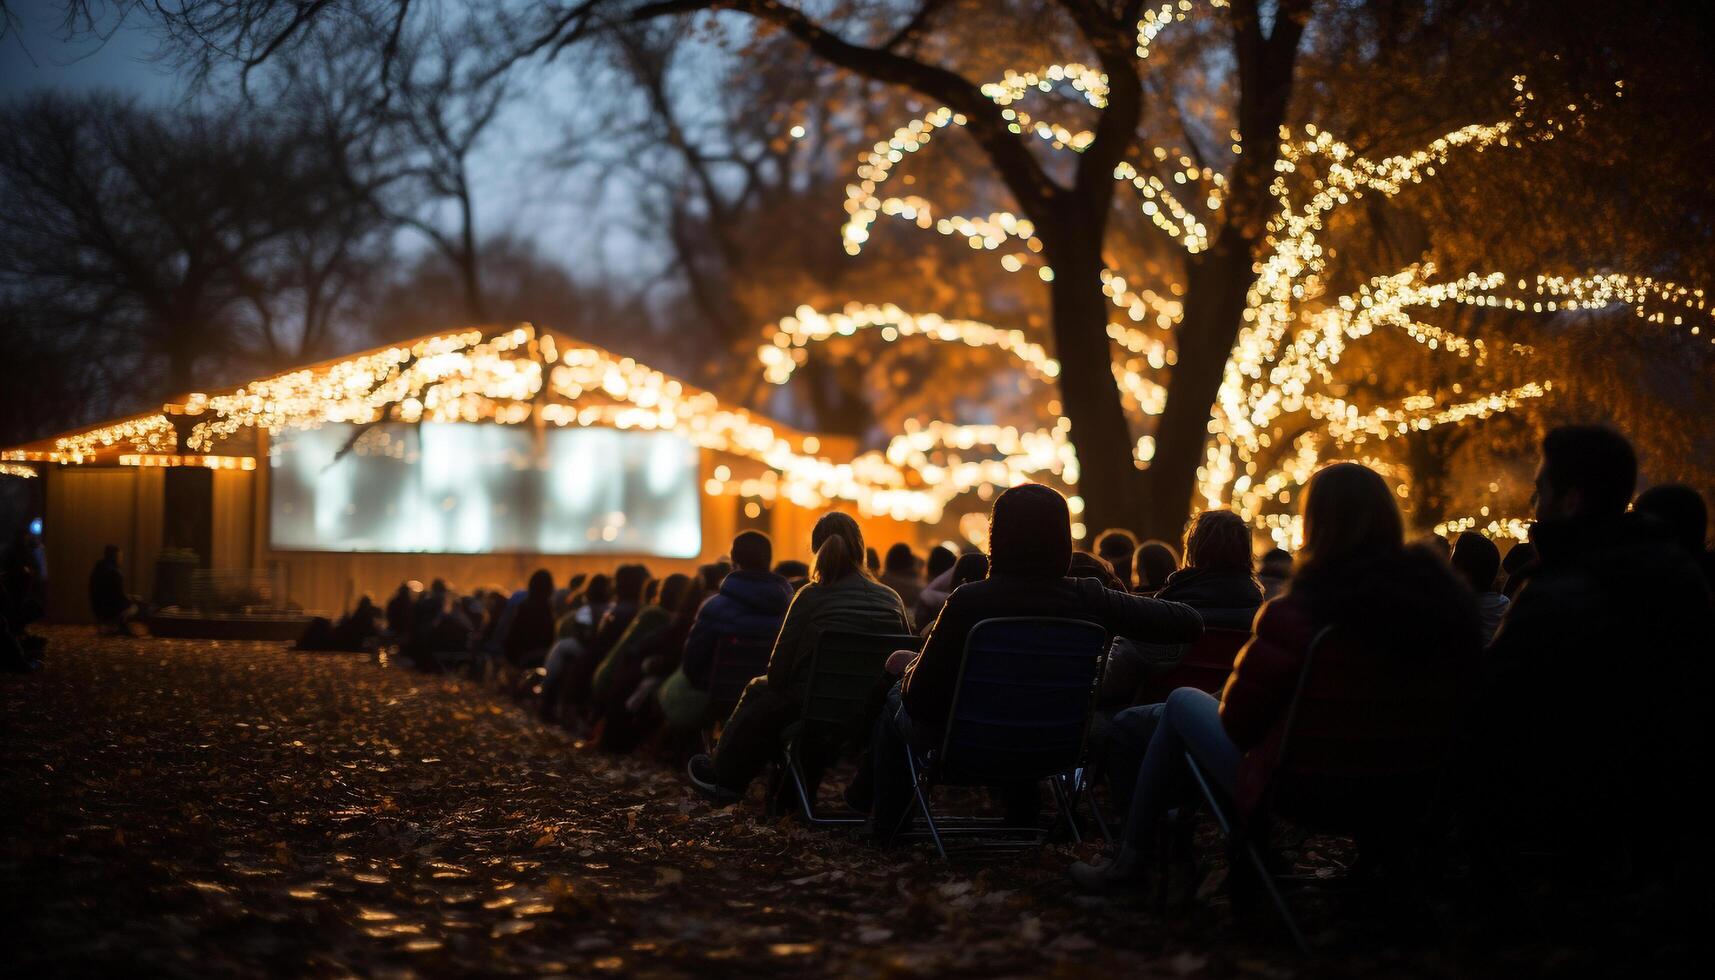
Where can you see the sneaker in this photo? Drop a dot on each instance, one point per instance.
(1113, 873)
(701, 771)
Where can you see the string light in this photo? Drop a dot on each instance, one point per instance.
(18, 470)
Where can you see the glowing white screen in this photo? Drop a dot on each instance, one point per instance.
(476, 488)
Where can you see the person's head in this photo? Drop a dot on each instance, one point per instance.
(901, 560)
(1349, 514)
(629, 582)
(973, 567)
(1588, 472)
(752, 551)
(1680, 511)
(404, 591)
(711, 576)
(940, 559)
(1218, 541)
(365, 603)
(672, 590)
(1518, 556)
(1118, 547)
(792, 570)
(599, 590)
(1030, 533)
(1477, 560)
(109, 552)
(872, 561)
(541, 586)
(838, 544)
(650, 591)
(1155, 560)
(575, 584)
(1276, 563)
(438, 587)
(1086, 565)
(1438, 544)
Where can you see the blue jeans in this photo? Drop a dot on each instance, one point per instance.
(1190, 721)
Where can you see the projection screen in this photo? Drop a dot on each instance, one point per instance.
(481, 488)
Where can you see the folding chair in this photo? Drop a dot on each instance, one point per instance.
(738, 661)
(1020, 713)
(1361, 749)
(1205, 667)
(845, 670)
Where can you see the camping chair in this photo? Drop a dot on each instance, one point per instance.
(738, 661)
(1360, 750)
(1020, 713)
(844, 673)
(1205, 667)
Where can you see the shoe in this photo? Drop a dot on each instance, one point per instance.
(1119, 871)
(701, 771)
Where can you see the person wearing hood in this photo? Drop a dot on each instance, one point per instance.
(1030, 555)
(751, 603)
(1355, 572)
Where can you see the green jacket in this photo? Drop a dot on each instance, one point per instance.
(856, 602)
(649, 621)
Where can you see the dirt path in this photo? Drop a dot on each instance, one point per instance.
(191, 807)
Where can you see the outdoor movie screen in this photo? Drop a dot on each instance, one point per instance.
(481, 488)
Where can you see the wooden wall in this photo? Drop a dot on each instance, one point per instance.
(89, 507)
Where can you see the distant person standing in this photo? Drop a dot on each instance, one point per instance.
(1118, 547)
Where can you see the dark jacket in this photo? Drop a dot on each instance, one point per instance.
(1613, 619)
(107, 598)
(531, 629)
(749, 604)
(1407, 606)
(1225, 599)
(929, 681)
(855, 603)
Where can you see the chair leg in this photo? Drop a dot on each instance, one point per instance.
(803, 791)
(919, 781)
(1063, 802)
(1251, 852)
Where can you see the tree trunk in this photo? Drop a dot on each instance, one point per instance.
(1109, 481)
(1216, 284)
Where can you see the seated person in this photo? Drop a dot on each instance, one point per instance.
(1118, 547)
(1478, 562)
(655, 618)
(587, 608)
(973, 567)
(901, 574)
(795, 572)
(1612, 613)
(1155, 560)
(399, 610)
(1215, 579)
(108, 601)
(1355, 572)
(572, 662)
(1030, 552)
(528, 632)
(751, 602)
(842, 595)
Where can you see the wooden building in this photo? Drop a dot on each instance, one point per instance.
(192, 484)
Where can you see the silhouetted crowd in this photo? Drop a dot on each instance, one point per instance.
(1531, 724)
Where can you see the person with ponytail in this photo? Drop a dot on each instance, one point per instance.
(842, 594)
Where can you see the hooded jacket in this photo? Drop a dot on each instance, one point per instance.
(749, 603)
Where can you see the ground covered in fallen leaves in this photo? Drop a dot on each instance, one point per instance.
(193, 807)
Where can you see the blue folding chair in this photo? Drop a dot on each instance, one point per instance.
(845, 671)
(1020, 713)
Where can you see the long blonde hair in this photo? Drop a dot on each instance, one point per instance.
(838, 543)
